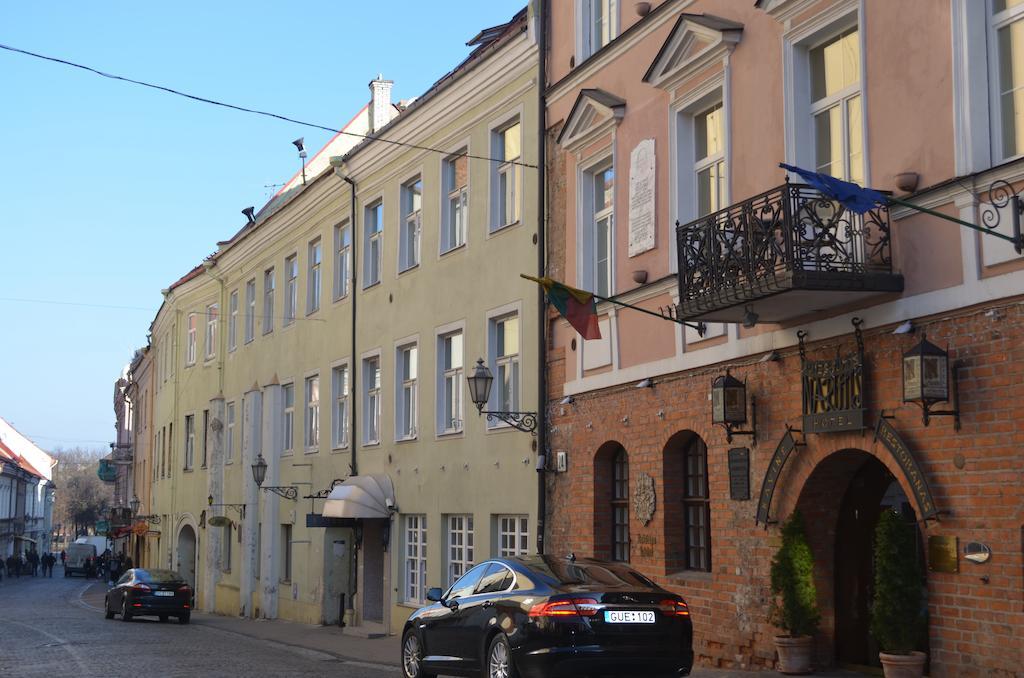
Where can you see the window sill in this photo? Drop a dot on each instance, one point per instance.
(372, 443)
(339, 449)
(209, 359)
(407, 439)
(266, 332)
(368, 286)
(408, 604)
(288, 453)
(311, 450)
(451, 434)
(342, 297)
(312, 312)
(453, 249)
(409, 269)
(187, 470)
(495, 230)
(228, 462)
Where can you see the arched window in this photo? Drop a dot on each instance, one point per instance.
(620, 506)
(696, 506)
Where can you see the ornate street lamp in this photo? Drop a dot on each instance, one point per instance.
(729, 406)
(259, 474)
(480, 383)
(926, 381)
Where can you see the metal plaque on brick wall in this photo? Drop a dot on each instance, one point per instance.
(739, 474)
(943, 554)
(833, 390)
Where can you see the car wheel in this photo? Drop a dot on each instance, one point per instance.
(125, 614)
(499, 659)
(412, 657)
(107, 612)
(184, 618)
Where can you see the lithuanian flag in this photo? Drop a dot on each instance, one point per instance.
(576, 306)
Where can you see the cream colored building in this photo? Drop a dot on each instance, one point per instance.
(254, 355)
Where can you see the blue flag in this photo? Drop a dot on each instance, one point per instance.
(849, 195)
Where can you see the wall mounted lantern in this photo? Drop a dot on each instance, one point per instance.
(926, 381)
(240, 508)
(480, 383)
(259, 474)
(729, 406)
(134, 505)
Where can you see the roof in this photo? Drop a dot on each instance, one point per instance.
(10, 455)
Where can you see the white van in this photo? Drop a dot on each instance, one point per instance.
(81, 559)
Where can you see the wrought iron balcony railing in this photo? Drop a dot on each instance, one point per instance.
(736, 260)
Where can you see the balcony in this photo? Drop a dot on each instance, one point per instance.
(786, 253)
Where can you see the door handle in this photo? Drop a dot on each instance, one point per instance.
(488, 603)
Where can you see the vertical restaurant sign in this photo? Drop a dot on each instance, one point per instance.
(641, 198)
(771, 476)
(899, 450)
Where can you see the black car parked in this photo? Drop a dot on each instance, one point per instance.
(549, 616)
(160, 593)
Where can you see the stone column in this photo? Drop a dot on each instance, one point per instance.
(273, 438)
(252, 424)
(215, 487)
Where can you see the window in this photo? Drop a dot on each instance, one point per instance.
(415, 580)
(206, 437)
(496, 579)
(513, 536)
(229, 439)
(268, 301)
(312, 413)
(455, 211)
(598, 25)
(342, 259)
(406, 360)
(190, 441)
(250, 310)
(190, 341)
(233, 321)
(286, 549)
(339, 386)
(225, 549)
(507, 147)
(460, 546)
(466, 585)
(696, 506)
(1008, 26)
(836, 107)
(412, 207)
(620, 506)
(212, 313)
(289, 417)
(450, 383)
(371, 400)
(504, 342)
(709, 159)
(597, 191)
(373, 229)
(313, 281)
(291, 289)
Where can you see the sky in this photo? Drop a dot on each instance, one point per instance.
(109, 192)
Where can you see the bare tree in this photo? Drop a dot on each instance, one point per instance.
(81, 495)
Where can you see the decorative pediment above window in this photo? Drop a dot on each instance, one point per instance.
(785, 10)
(595, 112)
(695, 41)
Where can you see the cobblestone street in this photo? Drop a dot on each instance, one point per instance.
(46, 629)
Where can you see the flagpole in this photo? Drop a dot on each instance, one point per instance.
(940, 215)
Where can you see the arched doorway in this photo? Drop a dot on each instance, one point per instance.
(841, 503)
(186, 561)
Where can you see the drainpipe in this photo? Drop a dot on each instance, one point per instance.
(542, 382)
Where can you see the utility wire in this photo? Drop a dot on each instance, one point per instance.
(282, 318)
(268, 114)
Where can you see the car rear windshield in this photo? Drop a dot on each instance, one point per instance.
(562, 572)
(157, 576)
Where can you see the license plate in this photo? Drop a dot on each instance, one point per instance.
(629, 616)
(164, 593)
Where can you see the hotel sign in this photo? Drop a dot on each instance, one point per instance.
(833, 390)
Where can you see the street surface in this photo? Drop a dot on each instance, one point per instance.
(46, 629)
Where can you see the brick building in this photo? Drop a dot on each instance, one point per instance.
(690, 108)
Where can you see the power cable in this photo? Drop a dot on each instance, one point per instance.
(268, 114)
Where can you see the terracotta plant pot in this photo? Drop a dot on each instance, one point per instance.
(794, 654)
(903, 665)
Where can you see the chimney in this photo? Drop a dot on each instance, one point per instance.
(380, 102)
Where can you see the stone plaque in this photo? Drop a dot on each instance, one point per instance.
(739, 474)
(942, 554)
(643, 498)
(641, 198)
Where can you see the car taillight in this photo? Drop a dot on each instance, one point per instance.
(675, 608)
(141, 587)
(184, 589)
(572, 607)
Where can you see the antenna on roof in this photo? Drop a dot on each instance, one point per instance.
(249, 213)
(302, 156)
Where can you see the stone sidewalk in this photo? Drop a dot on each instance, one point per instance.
(377, 652)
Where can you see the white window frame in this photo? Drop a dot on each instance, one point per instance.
(291, 289)
(973, 85)
(506, 169)
(588, 218)
(233, 321)
(494, 317)
(447, 233)
(994, 22)
(314, 263)
(230, 417)
(190, 340)
(342, 259)
(406, 384)
(372, 393)
(412, 223)
(341, 394)
(373, 244)
(250, 310)
(514, 529)
(585, 47)
(288, 418)
(311, 414)
(414, 568)
(269, 290)
(190, 441)
(210, 338)
(459, 546)
(841, 101)
(446, 375)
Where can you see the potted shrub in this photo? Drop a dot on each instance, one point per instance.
(897, 618)
(794, 598)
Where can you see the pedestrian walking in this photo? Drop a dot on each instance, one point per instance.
(63, 557)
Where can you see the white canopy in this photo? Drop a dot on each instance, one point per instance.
(369, 496)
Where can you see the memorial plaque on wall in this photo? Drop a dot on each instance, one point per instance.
(943, 552)
(641, 198)
(739, 474)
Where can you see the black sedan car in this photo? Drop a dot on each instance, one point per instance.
(549, 616)
(159, 593)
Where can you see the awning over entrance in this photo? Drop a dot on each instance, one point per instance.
(369, 496)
